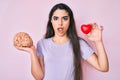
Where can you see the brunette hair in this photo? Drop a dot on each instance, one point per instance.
(72, 35)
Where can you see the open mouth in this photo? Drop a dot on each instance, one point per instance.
(60, 30)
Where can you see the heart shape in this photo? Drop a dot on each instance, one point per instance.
(86, 28)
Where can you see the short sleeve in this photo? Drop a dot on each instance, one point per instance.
(86, 50)
(39, 48)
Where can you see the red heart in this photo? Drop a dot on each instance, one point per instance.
(86, 28)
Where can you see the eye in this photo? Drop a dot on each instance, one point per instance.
(65, 18)
(55, 18)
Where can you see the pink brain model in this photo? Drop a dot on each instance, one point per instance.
(22, 39)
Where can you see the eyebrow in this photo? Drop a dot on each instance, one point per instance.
(63, 16)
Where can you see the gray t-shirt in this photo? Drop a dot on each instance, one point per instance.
(58, 58)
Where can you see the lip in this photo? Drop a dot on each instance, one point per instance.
(60, 29)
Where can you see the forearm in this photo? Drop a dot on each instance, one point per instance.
(36, 68)
(102, 56)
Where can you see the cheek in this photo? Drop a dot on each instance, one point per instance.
(53, 24)
(67, 25)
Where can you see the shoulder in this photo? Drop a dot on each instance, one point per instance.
(43, 41)
(86, 49)
(82, 42)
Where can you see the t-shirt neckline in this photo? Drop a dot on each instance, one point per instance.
(68, 42)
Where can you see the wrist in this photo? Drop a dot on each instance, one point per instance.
(33, 53)
(99, 42)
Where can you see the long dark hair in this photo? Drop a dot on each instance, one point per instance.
(72, 35)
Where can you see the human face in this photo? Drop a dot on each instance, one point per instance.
(60, 21)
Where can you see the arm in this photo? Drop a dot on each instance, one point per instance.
(98, 60)
(36, 68)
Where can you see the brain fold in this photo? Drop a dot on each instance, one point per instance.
(22, 39)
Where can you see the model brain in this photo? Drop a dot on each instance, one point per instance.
(22, 39)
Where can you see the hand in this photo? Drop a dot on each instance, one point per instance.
(96, 33)
(31, 50)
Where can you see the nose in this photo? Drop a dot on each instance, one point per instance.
(60, 22)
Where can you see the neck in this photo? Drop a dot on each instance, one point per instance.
(60, 39)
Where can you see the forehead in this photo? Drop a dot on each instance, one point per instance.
(60, 12)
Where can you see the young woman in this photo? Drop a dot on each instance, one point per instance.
(58, 55)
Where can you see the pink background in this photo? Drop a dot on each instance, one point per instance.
(31, 16)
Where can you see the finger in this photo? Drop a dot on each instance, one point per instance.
(33, 46)
(101, 28)
(18, 47)
(22, 48)
(95, 25)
